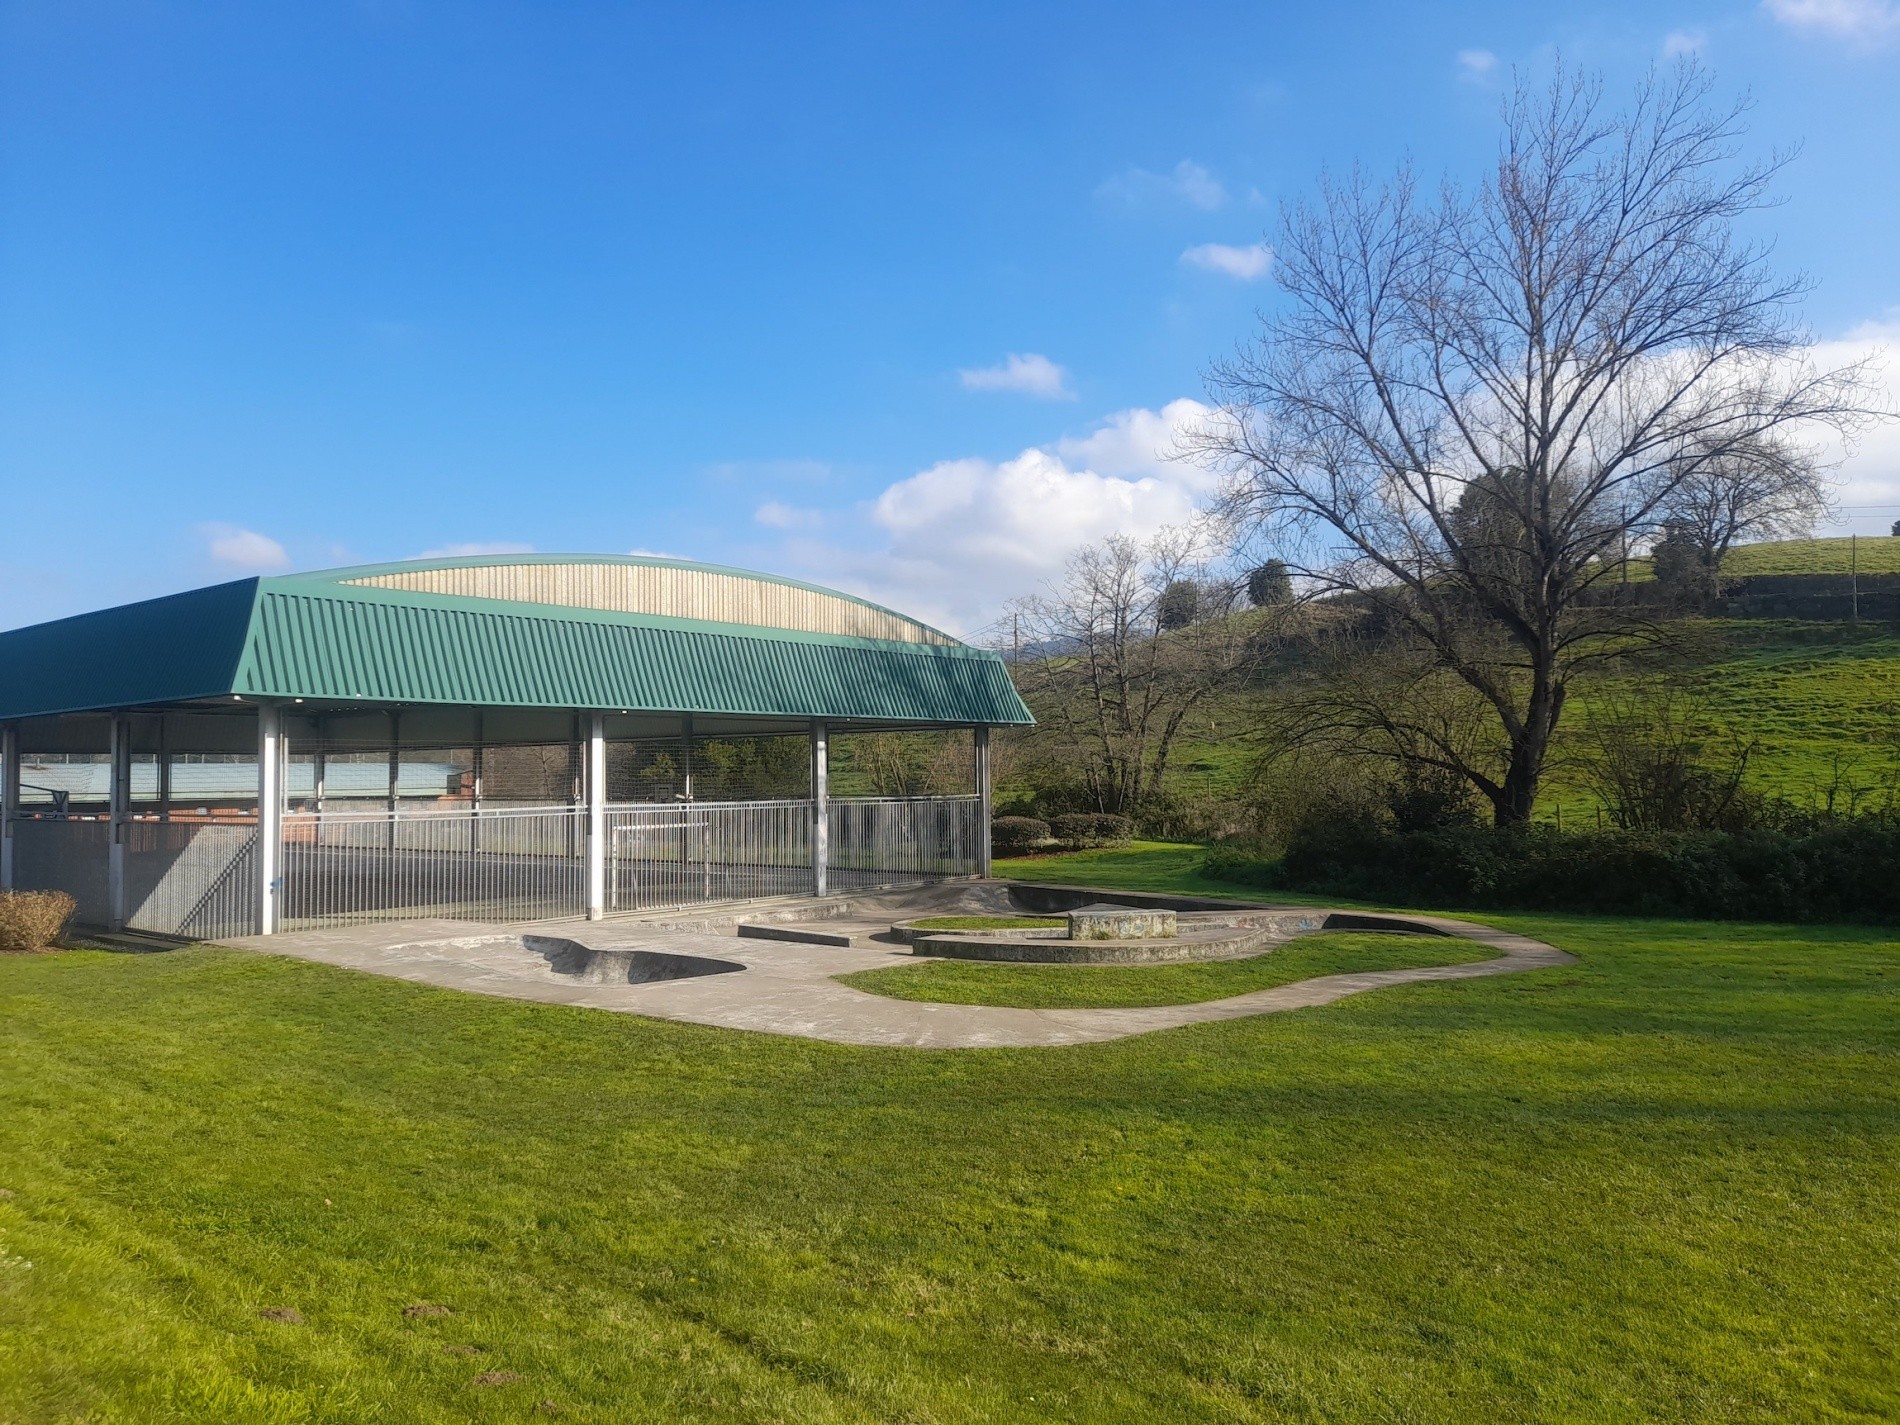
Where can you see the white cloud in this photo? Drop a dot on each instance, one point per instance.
(243, 549)
(1859, 21)
(953, 543)
(1684, 42)
(1868, 472)
(1247, 264)
(1188, 183)
(473, 547)
(1476, 65)
(775, 515)
(1027, 372)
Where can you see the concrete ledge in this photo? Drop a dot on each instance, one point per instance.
(802, 934)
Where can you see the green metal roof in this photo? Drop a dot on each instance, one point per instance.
(312, 636)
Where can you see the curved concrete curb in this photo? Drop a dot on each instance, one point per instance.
(791, 989)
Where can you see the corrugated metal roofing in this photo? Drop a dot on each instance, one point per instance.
(318, 637)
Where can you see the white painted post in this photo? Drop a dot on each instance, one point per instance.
(981, 738)
(596, 788)
(119, 813)
(820, 807)
(270, 818)
(9, 799)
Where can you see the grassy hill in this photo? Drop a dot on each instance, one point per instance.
(1821, 700)
(1875, 555)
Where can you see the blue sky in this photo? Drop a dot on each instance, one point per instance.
(897, 297)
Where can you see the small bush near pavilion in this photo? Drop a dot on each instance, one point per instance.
(30, 920)
(1013, 835)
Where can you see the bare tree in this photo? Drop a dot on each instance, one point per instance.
(1117, 680)
(1470, 407)
(1767, 488)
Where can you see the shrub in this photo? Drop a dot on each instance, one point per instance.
(1013, 835)
(31, 919)
(1078, 829)
(1842, 870)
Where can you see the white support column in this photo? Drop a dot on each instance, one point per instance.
(270, 819)
(596, 789)
(9, 799)
(119, 811)
(980, 738)
(820, 808)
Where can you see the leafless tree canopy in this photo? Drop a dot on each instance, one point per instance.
(1116, 676)
(1472, 404)
(1762, 489)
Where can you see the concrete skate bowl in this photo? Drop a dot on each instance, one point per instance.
(571, 959)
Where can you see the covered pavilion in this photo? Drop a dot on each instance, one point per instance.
(518, 737)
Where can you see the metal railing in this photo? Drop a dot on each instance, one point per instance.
(679, 853)
(346, 867)
(887, 841)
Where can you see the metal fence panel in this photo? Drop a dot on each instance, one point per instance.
(516, 864)
(885, 841)
(682, 853)
(195, 879)
(70, 855)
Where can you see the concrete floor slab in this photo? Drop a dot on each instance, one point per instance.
(789, 988)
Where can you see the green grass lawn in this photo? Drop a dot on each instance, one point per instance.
(988, 922)
(1661, 1184)
(1115, 986)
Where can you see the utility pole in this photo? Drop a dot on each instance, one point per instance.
(1853, 573)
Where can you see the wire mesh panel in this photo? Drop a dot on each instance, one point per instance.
(686, 852)
(66, 854)
(196, 879)
(883, 841)
(505, 864)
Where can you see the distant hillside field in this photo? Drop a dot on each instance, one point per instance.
(1821, 702)
(1878, 554)
(1819, 699)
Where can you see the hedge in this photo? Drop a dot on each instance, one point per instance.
(1013, 835)
(1847, 870)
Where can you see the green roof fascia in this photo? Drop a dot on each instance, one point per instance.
(650, 561)
(313, 638)
(177, 648)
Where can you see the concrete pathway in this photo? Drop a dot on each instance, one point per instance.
(790, 989)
